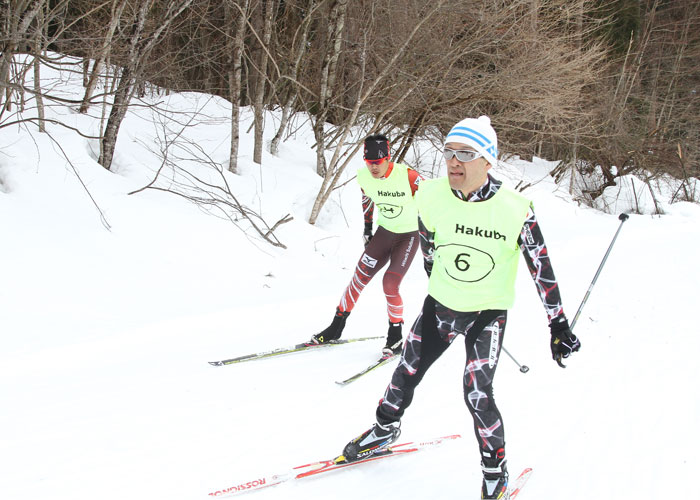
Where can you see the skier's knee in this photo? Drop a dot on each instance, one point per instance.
(477, 400)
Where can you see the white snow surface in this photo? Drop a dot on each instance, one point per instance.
(105, 389)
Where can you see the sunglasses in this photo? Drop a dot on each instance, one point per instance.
(376, 162)
(462, 155)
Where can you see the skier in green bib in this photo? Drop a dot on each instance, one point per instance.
(472, 231)
(391, 188)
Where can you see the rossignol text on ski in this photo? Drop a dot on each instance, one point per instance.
(315, 468)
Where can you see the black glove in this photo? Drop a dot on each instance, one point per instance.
(564, 342)
(367, 235)
(428, 266)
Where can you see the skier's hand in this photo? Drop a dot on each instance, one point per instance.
(563, 342)
(428, 266)
(367, 237)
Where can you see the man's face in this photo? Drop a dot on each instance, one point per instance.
(466, 176)
(377, 167)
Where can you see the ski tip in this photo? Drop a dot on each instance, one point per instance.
(216, 363)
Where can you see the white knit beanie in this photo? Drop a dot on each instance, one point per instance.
(479, 134)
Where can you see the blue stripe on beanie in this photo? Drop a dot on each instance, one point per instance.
(479, 134)
(471, 133)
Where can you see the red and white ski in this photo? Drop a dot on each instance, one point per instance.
(316, 468)
(519, 482)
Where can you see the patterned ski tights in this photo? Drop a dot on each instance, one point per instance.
(432, 333)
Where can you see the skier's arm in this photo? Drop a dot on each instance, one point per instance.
(414, 179)
(427, 246)
(563, 342)
(536, 256)
(368, 210)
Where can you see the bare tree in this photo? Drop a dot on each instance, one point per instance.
(569, 79)
(647, 108)
(38, 49)
(268, 13)
(195, 176)
(235, 43)
(336, 25)
(25, 31)
(331, 174)
(141, 44)
(17, 18)
(299, 48)
(116, 12)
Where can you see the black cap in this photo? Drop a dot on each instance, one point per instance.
(376, 147)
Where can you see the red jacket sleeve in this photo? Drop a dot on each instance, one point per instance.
(414, 179)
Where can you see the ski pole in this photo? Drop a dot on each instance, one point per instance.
(623, 217)
(523, 368)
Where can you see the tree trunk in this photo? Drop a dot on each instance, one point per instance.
(235, 45)
(106, 105)
(140, 48)
(18, 17)
(410, 137)
(336, 26)
(125, 88)
(332, 175)
(115, 17)
(300, 50)
(37, 69)
(574, 152)
(259, 97)
(122, 97)
(534, 14)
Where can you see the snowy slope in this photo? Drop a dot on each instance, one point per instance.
(106, 392)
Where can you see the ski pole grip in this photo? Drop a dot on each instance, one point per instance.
(623, 217)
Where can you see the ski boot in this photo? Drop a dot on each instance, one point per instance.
(495, 483)
(372, 441)
(394, 342)
(334, 330)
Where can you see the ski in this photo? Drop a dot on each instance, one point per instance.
(323, 466)
(287, 350)
(380, 362)
(519, 483)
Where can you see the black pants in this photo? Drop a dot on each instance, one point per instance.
(433, 332)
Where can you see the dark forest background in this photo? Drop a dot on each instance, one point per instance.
(609, 87)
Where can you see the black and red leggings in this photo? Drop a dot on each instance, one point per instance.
(433, 332)
(396, 248)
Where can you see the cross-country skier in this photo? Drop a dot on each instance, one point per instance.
(472, 229)
(391, 188)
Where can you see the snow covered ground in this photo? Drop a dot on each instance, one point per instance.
(105, 389)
